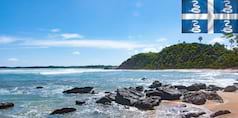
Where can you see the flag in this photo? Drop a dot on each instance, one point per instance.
(210, 16)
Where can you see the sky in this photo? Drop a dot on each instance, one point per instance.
(88, 32)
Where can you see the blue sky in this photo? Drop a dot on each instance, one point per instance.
(88, 32)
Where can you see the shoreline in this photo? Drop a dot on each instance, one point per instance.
(230, 103)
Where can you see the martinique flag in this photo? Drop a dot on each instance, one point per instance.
(210, 16)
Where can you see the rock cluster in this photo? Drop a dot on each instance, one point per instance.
(6, 105)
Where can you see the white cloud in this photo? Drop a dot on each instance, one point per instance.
(217, 40)
(13, 59)
(152, 49)
(55, 30)
(161, 40)
(76, 53)
(71, 35)
(6, 39)
(84, 43)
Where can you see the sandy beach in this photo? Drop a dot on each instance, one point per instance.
(230, 103)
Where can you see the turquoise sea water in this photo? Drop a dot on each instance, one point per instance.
(18, 86)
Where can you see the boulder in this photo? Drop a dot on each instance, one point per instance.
(212, 95)
(6, 105)
(39, 87)
(148, 103)
(197, 98)
(196, 87)
(165, 93)
(79, 90)
(230, 89)
(63, 111)
(155, 84)
(193, 115)
(150, 93)
(236, 85)
(169, 93)
(219, 113)
(144, 78)
(104, 100)
(127, 96)
(140, 88)
(214, 88)
(79, 102)
(180, 87)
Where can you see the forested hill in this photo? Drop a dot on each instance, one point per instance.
(185, 56)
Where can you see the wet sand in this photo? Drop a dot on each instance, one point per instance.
(230, 103)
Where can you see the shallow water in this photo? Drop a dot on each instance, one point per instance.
(18, 86)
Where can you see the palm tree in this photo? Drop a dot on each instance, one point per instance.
(200, 39)
(231, 42)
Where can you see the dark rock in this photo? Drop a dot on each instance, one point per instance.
(230, 89)
(169, 93)
(212, 95)
(6, 105)
(63, 111)
(197, 98)
(39, 87)
(148, 103)
(140, 88)
(194, 115)
(214, 88)
(93, 92)
(236, 85)
(165, 93)
(80, 102)
(79, 90)
(219, 113)
(107, 92)
(127, 96)
(153, 93)
(196, 87)
(111, 96)
(155, 84)
(180, 87)
(104, 100)
(144, 78)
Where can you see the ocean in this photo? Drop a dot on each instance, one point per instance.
(19, 86)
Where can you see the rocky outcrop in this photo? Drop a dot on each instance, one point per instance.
(79, 102)
(155, 84)
(169, 93)
(6, 105)
(39, 87)
(140, 88)
(179, 87)
(196, 87)
(127, 96)
(104, 100)
(212, 95)
(193, 115)
(79, 90)
(165, 93)
(214, 88)
(230, 88)
(63, 111)
(197, 98)
(148, 103)
(219, 113)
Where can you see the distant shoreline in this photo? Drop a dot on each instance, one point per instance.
(233, 70)
(39, 67)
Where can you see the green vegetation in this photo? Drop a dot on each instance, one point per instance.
(185, 56)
